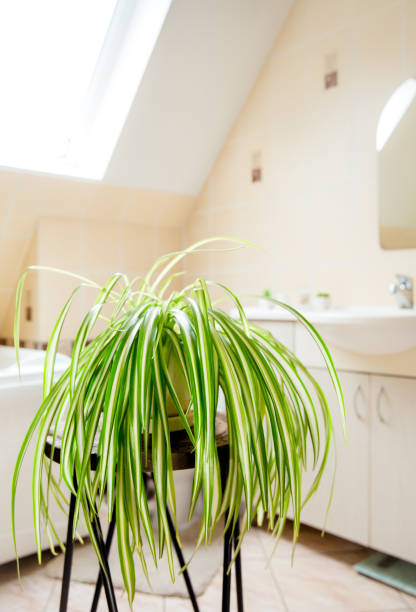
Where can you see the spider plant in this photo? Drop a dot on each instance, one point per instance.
(162, 360)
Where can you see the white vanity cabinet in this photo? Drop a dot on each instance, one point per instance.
(374, 499)
(349, 511)
(393, 466)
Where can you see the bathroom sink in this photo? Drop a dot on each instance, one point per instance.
(369, 330)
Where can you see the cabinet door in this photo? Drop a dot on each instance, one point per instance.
(349, 512)
(393, 466)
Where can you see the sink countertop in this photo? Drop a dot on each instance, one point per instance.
(369, 330)
(349, 314)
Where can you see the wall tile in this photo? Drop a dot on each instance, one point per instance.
(59, 243)
(21, 218)
(224, 181)
(141, 207)
(5, 298)
(364, 8)
(12, 253)
(53, 291)
(8, 187)
(102, 245)
(203, 201)
(297, 28)
(257, 226)
(147, 207)
(107, 202)
(379, 67)
(289, 85)
(202, 226)
(255, 114)
(409, 19)
(138, 248)
(28, 203)
(326, 15)
(226, 222)
(68, 198)
(174, 211)
(167, 240)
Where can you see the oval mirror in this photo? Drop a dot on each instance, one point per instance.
(396, 156)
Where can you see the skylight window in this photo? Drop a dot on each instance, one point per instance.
(69, 71)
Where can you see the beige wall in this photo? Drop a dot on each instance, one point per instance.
(316, 209)
(91, 248)
(82, 226)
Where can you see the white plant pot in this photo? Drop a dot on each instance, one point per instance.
(321, 302)
(265, 304)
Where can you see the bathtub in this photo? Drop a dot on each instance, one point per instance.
(20, 397)
(19, 400)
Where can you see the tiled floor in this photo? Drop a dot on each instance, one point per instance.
(322, 579)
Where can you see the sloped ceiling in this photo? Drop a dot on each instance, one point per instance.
(203, 66)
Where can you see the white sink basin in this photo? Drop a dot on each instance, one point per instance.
(371, 330)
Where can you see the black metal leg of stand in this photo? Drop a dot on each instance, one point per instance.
(228, 541)
(66, 578)
(105, 571)
(182, 562)
(238, 575)
(108, 542)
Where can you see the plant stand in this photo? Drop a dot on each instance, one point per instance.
(182, 458)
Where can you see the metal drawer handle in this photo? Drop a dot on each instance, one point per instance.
(358, 413)
(381, 418)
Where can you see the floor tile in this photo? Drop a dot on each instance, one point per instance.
(322, 579)
(81, 595)
(252, 546)
(177, 604)
(409, 600)
(260, 591)
(329, 582)
(33, 593)
(310, 542)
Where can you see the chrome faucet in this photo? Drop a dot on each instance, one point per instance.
(402, 289)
